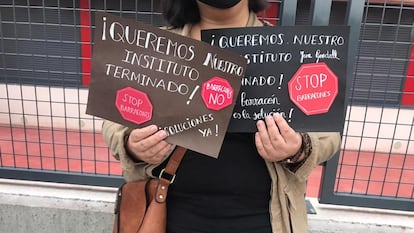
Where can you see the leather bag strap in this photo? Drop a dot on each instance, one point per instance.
(167, 175)
(175, 160)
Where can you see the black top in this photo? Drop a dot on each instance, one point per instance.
(230, 194)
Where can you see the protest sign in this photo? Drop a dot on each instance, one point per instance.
(143, 75)
(296, 71)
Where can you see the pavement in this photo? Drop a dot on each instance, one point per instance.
(338, 219)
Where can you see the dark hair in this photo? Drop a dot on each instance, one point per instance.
(180, 12)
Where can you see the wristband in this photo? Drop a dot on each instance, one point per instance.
(305, 147)
(127, 151)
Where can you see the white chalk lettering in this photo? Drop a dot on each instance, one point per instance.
(118, 32)
(250, 40)
(258, 101)
(188, 124)
(332, 40)
(223, 65)
(120, 72)
(267, 57)
(333, 54)
(259, 81)
(160, 65)
(135, 111)
(313, 96)
(310, 81)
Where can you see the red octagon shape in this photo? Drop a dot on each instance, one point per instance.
(133, 105)
(313, 88)
(217, 93)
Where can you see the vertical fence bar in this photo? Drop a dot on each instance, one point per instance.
(320, 12)
(355, 9)
(288, 12)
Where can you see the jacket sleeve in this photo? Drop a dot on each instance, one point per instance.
(114, 135)
(324, 147)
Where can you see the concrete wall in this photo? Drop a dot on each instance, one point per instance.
(38, 207)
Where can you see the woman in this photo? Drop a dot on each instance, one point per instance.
(258, 182)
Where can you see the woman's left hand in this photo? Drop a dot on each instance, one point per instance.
(275, 139)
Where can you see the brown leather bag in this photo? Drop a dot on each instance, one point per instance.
(141, 205)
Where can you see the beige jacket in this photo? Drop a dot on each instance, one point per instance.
(287, 206)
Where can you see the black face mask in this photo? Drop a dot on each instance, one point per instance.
(221, 4)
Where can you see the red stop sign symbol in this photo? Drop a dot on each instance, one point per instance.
(313, 88)
(133, 105)
(217, 93)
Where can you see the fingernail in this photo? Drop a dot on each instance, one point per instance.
(162, 134)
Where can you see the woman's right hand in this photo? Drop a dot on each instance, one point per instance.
(147, 144)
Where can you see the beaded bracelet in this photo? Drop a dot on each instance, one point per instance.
(127, 151)
(305, 148)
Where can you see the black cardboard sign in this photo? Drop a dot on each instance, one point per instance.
(143, 75)
(296, 71)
